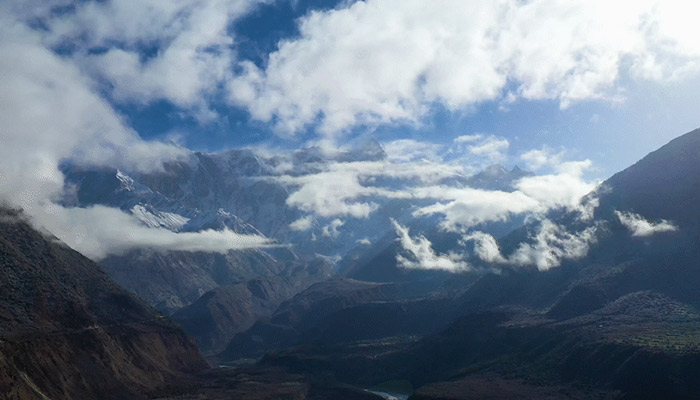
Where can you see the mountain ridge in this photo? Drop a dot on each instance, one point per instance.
(69, 331)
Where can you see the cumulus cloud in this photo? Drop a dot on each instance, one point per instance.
(331, 193)
(387, 61)
(364, 241)
(194, 51)
(355, 189)
(465, 207)
(640, 227)
(344, 188)
(419, 254)
(545, 249)
(52, 113)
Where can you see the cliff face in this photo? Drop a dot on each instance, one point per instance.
(68, 331)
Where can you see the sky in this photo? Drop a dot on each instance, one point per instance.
(627, 109)
(538, 82)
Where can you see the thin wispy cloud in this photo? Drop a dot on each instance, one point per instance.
(118, 232)
(536, 159)
(641, 227)
(410, 150)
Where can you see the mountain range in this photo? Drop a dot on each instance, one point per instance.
(618, 316)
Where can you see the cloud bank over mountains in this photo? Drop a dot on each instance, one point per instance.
(546, 248)
(346, 189)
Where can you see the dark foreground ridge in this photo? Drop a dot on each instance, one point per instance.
(67, 331)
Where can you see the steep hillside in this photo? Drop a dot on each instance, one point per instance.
(664, 184)
(70, 332)
(216, 317)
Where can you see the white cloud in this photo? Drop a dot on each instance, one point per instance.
(492, 149)
(478, 151)
(194, 53)
(342, 188)
(331, 230)
(386, 61)
(552, 244)
(546, 249)
(118, 232)
(640, 227)
(538, 158)
(419, 254)
(331, 193)
(364, 242)
(469, 207)
(468, 138)
(563, 189)
(485, 247)
(50, 113)
(302, 224)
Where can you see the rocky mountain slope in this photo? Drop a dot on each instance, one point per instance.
(68, 331)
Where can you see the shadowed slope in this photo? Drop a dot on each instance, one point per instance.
(70, 332)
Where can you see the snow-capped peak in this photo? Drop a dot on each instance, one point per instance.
(126, 182)
(159, 219)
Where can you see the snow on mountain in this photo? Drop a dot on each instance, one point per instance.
(159, 219)
(126, 182)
